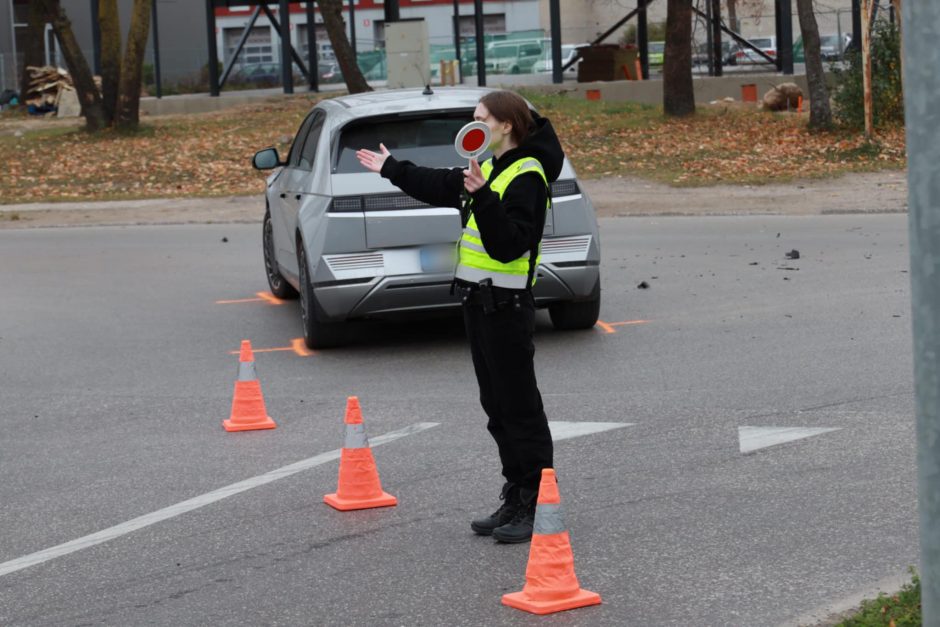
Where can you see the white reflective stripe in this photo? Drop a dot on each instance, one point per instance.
(356, 437)
(246, 371)
(548, 519)
(509, 281)
(471, 232)
(531, 163)
(465, 244)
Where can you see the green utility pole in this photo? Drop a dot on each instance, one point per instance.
(921, 23)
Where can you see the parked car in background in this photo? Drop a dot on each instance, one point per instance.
(352, 246)
(257, 74)
(768, 45)
(568, 52)
(729, 50)
(656, 51)
(831, 47)
(513, 56)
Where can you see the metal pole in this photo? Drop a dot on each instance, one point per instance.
(784, 12)
(642, 38)
(156, 49)
(866, 70)
(16, 68)
(715, 29)
(457, 40)
(287, 75)
(478, 35)
(856, 25)
(96, 36)
(709, 42)
(920, 25)
(312, 52)
(554, 10)
(352, 26)
(392, 13)
(213, 50)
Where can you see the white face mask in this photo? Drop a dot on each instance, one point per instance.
(499, 131)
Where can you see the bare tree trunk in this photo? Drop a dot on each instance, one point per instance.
(678, 93)
(820, 113)
(33, 48)
(332, 12)
(127, 114)
(110, 55)
(78, 67)
(733, 15)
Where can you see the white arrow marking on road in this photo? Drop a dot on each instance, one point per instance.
(562, 430)
(754, 438)
(195, 503)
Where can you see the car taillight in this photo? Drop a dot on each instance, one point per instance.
(342, 204)
(772, 53)
(568, 187)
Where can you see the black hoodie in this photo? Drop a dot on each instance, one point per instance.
(509, 226)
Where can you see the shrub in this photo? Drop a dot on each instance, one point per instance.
(887, 94)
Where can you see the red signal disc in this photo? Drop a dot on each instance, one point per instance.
(473, 140)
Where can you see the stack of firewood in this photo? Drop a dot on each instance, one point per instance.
(46, 85)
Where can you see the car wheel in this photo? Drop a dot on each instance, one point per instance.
(571, 315)
(317, 334)
(276, 281)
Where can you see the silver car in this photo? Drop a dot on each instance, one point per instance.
(353, 246)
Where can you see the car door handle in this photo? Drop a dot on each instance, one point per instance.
(283, 195)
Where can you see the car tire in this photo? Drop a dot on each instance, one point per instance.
(574, 315)
(276, 281)
(317, 334)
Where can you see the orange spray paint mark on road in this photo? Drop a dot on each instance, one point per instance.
(262, 297)
(297, 347)
(608, 327)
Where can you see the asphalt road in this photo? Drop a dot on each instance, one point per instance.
(116, 371)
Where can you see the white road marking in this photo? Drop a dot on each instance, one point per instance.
(754, 438)
(195, 503)
(562, 430)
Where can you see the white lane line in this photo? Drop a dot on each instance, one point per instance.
(755, 438)
(195, 503)
(564, 430)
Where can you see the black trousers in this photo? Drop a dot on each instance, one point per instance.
(502, 350)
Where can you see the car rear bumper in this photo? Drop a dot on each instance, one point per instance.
(393, 295)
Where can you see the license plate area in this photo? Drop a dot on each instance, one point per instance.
(438, 258)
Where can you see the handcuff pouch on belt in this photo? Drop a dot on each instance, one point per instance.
(489, 297)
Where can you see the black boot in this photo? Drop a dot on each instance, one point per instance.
(510, 498)
(519, 529)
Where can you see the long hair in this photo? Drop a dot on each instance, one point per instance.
(507, 106)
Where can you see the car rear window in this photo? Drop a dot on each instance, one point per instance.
(427, 141)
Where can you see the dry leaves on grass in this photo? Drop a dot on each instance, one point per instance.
(194, 155)
(209, 154)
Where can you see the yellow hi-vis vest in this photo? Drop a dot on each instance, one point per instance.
(473, 262)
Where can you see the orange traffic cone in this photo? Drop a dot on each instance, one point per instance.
(550, 583)
(248, 412)
(359, 486)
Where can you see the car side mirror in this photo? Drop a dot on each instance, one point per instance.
(266, 159)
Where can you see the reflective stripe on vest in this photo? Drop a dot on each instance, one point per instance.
(474, 264)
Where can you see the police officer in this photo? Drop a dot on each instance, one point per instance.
(503, 206)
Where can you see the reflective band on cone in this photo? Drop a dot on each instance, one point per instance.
(551, 584)
(248, 410)
(358, 486)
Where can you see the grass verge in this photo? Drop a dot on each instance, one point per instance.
(208, 154)
(896, 610)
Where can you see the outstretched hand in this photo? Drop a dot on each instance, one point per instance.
(373, 160)
(473, 177)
